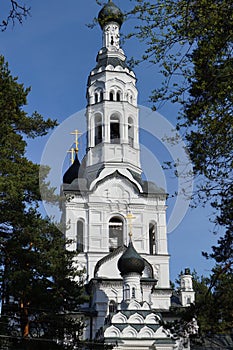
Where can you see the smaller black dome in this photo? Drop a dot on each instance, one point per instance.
(72, 172)
(110, 13)
(131, 261)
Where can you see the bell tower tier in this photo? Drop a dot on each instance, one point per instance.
(112, 112)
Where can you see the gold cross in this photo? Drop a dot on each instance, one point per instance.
(71, 151)
(76, 133)
(130, 217)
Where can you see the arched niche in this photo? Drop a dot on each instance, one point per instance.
(136, 318)
(119, 318)
(95, 93)
(130, 97)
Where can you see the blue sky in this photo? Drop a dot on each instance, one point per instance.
(53, 52)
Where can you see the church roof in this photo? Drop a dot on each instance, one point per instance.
(110, 13)
(136, 326)
(131, 261)
(113, 61)
(143, 313)
(148, 270)
(150, 187)
(109, 257)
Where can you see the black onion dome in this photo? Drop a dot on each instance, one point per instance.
(72, 172)
(131, 261)
(110, 13)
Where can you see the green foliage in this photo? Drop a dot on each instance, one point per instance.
(191, 42)
(213, 307)
(40, 288)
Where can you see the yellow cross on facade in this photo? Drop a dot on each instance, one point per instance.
(130, 217)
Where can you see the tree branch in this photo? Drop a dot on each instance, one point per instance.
(17, 13)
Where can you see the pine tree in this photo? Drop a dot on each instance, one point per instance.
(40, 288)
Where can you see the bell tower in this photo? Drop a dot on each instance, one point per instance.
(128, 281)
(107, 185)
(112, 112)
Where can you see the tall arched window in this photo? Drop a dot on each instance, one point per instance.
(80, 236)
(111, 96)
(133, 293)
(114, 129)
(98, 129)
(152, 234)
(112, 306)
(101, 96)
(118, 96)
(115, 233)
(130, 131)
(96, 97)
(126, 292)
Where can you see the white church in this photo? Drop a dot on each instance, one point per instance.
(116, 219)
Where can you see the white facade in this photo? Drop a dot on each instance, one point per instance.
(106, 187)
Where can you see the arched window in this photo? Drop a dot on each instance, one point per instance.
(112, 306)
(80, 236)
(130, 131)
(126, 292)
(111, 96)
(98, 129)
(101, 96)
(133, 293)
(115, 233)
(114, 129)
(118, 96)
(152, 233)
(96, 97)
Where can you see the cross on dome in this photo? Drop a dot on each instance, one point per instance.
(76, 133)
(72, 152)
(130, 217)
